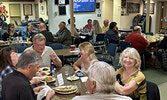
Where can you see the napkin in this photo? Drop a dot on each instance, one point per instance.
(43, 92)
(84, 79)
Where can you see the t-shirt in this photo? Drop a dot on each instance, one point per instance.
(139, 78)
(45, 56)
(101, 96)
(105, 29)
(137, 41)
(16, 86)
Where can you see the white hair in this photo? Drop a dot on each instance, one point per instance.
(106, 20)
(133, 53)
(104, 76)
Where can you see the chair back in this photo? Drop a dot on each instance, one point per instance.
(48, 43)
(100, 37)
(149, 33)
(56, 46)
(61, 58)
(112, 48)
(124, 45)
(152, 91)
(20, 49)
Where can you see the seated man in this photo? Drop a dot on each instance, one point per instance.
(101, 83)
(106, 26)
(16, 85)
(48, 35)
(63, 35)
(46, 52)
(111, 35)
(140, 44)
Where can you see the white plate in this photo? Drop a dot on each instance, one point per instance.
(53, 80)
(67, 92)
(61, 92)
(72, 78)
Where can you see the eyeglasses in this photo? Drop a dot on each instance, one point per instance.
(40, 45)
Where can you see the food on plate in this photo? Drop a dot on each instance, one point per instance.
(68, 88)
(48, 78)
(45, 69)
(73, 78)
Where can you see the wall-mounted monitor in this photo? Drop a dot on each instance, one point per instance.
(84, 5)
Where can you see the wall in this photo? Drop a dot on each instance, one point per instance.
(21, 8)
(117, 12)
(44, 16)
(55, 18)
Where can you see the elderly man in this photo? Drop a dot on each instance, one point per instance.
(16, 85)
(48, 35)
(63, 35)
(101, 83)
(46, 52)
(105, 27)
(111, 35)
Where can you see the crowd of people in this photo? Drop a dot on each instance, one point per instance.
(126, 83)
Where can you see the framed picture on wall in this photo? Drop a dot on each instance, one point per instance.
(151, 8)
(27, 9)
(133, 7)
(42, 9)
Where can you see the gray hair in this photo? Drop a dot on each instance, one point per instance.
(137, 28)
(39, 36)
(133, 53)
(106, 20)
(104, 76)
(29, 57)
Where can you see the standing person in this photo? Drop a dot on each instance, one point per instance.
(130, 80)
(63, 35)
(105, 28)
(48, 35)
(87, 58)
(101, 83)
(111, 35)
(16, 85)
(46, 52)
(10, 32)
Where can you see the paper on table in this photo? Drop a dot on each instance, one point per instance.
(43, 92)
(84, 79)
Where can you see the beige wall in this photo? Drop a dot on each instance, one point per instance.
(107, 10)
(117, 11)
(21, 8)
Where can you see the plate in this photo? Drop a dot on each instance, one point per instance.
(45, 69)
(66, 89)
(72, 78)
(53, 79)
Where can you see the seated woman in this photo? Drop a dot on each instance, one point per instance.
(87, 58)
(8, 61)
(10, 32)
(130, 80)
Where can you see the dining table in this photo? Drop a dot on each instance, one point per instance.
(80, 85)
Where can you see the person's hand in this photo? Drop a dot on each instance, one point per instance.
(53, 57)
(50, 95)
(78, 70)
(29, 43)
(35, 80)
(38, 89)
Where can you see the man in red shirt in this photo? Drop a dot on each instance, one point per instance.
(137, 40)
(140, 43)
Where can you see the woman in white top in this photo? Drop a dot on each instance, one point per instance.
(87, 58)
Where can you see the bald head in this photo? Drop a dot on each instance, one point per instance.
(137, 29)
(42, 27)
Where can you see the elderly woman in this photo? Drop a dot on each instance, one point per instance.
(101, 83)
(130, 80)
(87, 58)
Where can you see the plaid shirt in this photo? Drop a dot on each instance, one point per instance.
(3, 73)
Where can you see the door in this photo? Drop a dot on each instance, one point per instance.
(15, 14)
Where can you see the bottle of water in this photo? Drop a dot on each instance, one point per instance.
(52, 69)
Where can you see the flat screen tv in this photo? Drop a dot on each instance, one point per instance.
(84, 5)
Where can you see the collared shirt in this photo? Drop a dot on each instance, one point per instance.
(16, 86)
(101, 96)
(105, 29)
(45, 56)
(3, 73)
(137, 41)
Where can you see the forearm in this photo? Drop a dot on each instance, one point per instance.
(76, 67)
(57, 62)
(121, 89)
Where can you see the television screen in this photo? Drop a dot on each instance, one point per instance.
(84, 5)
